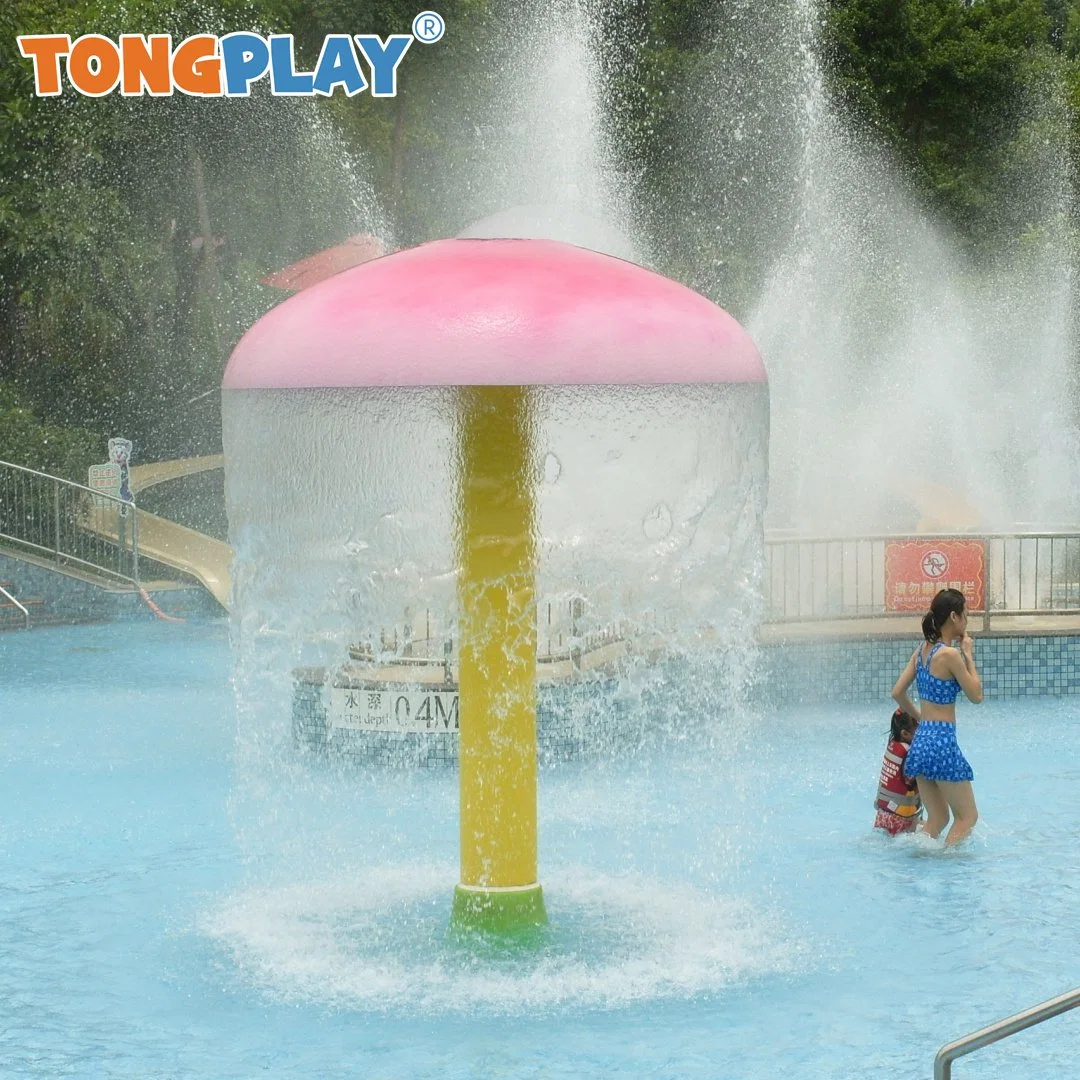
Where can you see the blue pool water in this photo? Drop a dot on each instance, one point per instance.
(173, 907)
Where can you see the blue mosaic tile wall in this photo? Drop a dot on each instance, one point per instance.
(865, 671)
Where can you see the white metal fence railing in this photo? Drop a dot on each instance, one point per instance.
(68, 524)
(806, 578)
(846, 578)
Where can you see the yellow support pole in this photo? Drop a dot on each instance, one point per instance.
(499, 890)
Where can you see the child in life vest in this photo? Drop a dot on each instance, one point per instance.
(898, 806)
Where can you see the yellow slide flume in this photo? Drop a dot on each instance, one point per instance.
(186, 549)
(204, 558)
(157, 472)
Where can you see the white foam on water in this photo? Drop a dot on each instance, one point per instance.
(920, 843)
(378, 942)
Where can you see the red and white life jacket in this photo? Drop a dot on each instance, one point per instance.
(896, 793)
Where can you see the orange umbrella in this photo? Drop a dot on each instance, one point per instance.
(360, 248)
(942, 509)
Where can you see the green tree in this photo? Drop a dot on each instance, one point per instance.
(952, 85)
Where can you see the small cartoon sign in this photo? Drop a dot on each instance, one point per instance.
(113, 478)
(120, 454)
(916, 569)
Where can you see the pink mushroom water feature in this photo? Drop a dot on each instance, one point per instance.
(464, 441)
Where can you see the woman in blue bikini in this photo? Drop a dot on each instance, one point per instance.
(941, 671)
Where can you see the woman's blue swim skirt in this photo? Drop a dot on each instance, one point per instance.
(935, 754)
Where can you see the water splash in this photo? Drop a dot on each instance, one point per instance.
(894, 360)
(378, 942)
(543, 163)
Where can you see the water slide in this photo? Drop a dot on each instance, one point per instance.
(185, 549)
(197, 554)
(146, 476)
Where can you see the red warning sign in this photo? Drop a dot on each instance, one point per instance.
(916, 569)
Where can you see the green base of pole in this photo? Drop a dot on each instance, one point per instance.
(504, 912)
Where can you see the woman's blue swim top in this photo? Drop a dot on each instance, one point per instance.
(931, 688)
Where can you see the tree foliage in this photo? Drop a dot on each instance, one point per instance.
(954, 86)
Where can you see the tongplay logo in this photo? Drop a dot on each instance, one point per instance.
(208, 66)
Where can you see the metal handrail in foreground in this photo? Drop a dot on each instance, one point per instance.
(22, 607)
(1001, 1030)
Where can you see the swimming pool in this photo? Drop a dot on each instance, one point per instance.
(722, 909)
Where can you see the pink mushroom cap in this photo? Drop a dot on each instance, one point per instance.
(473, 312)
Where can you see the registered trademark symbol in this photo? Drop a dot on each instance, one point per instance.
(428, 27)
